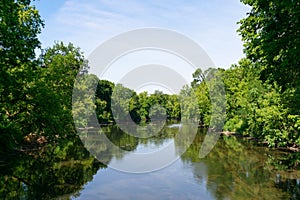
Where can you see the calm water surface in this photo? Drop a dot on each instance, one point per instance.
(235, 169)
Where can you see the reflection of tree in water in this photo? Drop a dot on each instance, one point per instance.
(292, 186)
(120, 139)
(111, 142)
(59, 170)
(159, 136)
(286, 179)
(62, 169)
(237, 170)
(108, 142)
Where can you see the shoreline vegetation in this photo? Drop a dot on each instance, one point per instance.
(262, 89)
(222, 133)
(291, 149)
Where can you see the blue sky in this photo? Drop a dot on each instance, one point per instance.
(212, 24)
(87, 24)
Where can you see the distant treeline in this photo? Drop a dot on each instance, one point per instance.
(138, 104)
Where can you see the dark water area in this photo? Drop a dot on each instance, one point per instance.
(234, 169)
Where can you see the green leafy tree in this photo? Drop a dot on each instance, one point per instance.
(122, 103)
(243, 88)
(173, 107)
(198, 77)
(53, 101)
(189, 105)
(84, 102)
(144, 106)
(103, 101)
(204, 103)
(272, 39)
(20, 23)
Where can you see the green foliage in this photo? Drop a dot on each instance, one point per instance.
(103, 101)
(61, 64)
(263, 90)
(36, 95)
(83, 99)
(235, 124)
(242, 90)
(173, 107)
(189, 105)
(20, 24)
(144, 106)
(258, 108)
(198, 77)
(204, 103)
(122, 103)
(293, 128)
(271, 35)
(140, 107)
(216, 88)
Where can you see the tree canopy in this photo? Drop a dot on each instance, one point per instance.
(271, 35)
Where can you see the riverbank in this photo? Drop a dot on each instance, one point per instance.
(293, 148)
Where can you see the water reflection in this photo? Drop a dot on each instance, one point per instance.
(122, 151)
(235, 169)
(56, 170)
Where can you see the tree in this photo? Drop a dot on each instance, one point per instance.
(122, 104)
(243, 88)
(189, 105)
(173, 107)
(271, 36)
(19, 26)
(204, 103)
(84, 101)
(103, 101)
(271, 32)
(144, 106)
(198, 77)
(20, 23)
(54, 88)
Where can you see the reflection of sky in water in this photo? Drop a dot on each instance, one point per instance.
(176, 181)
(152, 147)
(140, 162)
(233, 170)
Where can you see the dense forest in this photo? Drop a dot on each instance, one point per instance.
(262, 89)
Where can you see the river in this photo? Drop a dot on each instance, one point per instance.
(234, 169)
